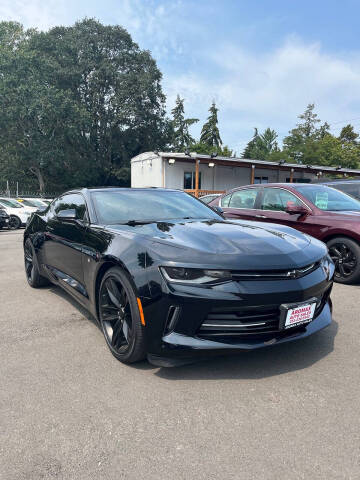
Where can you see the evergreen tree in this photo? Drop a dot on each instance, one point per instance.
(301, 143)
(262, 146)
(348, 135)
(180, 124)
(210, 134)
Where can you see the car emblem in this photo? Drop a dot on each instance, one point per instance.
(292, 274)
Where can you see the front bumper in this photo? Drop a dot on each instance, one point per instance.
(175, 345)
(247, 301)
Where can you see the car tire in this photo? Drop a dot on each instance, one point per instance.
(14, 222)
(120, 318)
(33, 277)
(346, 256)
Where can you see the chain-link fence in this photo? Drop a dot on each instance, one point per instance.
(15, 189)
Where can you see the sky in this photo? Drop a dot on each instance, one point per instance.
(261, 61)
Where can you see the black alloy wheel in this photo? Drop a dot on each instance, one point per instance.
(345, 254)
(120, 318)
(14, 222)
(33, 276)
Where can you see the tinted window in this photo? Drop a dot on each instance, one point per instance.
(329, 199)
(352, 189)
(208, 198)
(121, 206)
(73, 201)
(225, 200)
(243, 199)
(10, 203)
(277, 199)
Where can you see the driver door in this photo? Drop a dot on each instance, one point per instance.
(273, 205)
(64, 242)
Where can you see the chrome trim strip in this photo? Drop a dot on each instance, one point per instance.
(233, 326)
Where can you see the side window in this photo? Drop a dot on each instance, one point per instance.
(225, 200)
(243, 198)
(277, 199)
(72, 201)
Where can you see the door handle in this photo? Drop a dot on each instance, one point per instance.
(260, 216)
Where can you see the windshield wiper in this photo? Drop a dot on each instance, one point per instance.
(132, 223)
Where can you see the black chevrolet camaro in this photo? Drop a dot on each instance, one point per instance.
(168, 278)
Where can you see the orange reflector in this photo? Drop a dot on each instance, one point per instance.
(142, 319)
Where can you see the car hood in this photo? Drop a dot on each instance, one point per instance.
(344, 215)
(230, 244)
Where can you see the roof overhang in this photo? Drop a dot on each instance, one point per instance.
(244, 162)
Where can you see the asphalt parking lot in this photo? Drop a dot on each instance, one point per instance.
(69, 410)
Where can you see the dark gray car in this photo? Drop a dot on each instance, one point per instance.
(351, 187)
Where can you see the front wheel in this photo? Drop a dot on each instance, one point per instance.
(14, 222)
(33, 277)
(120, 317)
(345, 254)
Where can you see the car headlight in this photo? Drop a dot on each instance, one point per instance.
(328, 265)
(194, 275)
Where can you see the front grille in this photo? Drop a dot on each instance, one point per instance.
(274, 274)
(260, 320)
(247, 321)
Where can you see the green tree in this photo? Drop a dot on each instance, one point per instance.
(205, 149)
(181, 135)
(262, 146)
(210, 134)
(301, 143)
(78, 102)
(348, 135)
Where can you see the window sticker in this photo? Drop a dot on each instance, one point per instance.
(322, 200)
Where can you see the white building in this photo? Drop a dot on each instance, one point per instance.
(203, 174)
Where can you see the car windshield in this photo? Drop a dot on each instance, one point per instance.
(114, 207)
(329, 199)
(10, 203)
(31, 203)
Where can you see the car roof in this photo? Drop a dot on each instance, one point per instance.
(334, 182)
(120, 189)
(284, 184)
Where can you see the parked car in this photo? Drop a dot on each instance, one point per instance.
(17, 212)
(321, 211)
(351, 187)
(209, 198)
(169, 278)
(33, 203)
(4, 218)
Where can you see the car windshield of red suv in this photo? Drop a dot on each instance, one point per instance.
(329, 199)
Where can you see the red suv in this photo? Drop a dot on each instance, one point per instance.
(321, 211)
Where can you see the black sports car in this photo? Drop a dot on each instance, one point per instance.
(167, 277)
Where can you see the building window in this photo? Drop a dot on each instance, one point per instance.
(261, 180)
(299, 180)
(189, 180)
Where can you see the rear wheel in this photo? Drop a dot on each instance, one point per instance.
(14, 222)
(345, 253)
(33, 276)
(120, 318)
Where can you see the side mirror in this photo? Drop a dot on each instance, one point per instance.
(218, 210)
(69, 214)
(293, 209)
